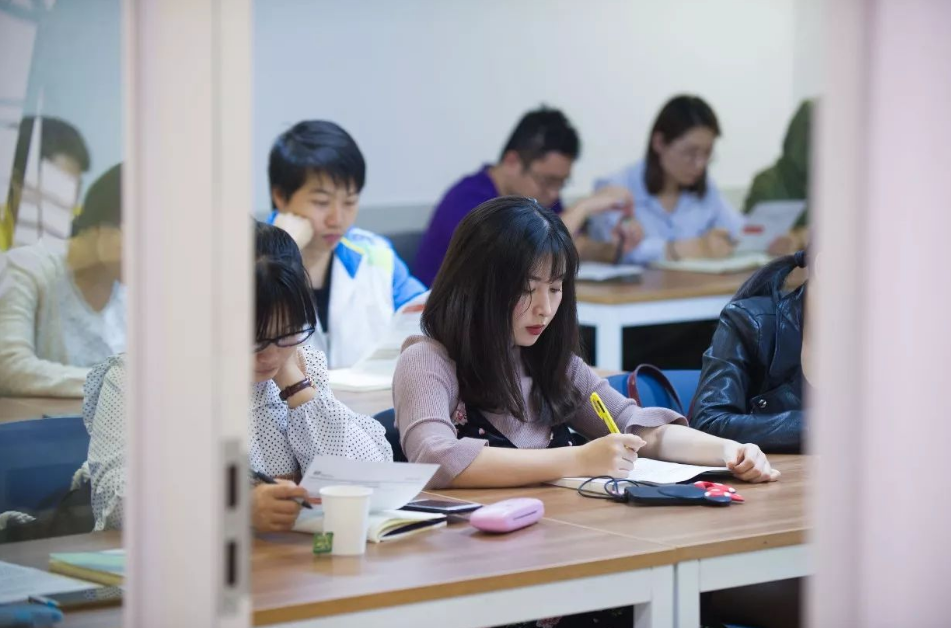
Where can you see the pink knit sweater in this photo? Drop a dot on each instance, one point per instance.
(426, 396)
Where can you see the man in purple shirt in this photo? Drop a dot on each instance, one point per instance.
(536, 162)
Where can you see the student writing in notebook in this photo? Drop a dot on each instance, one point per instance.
(751, 385)
(294, 415)
(316, 173)
(677, 203)
(490, 392)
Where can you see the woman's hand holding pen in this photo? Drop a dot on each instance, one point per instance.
(612, 455)
(274, 507)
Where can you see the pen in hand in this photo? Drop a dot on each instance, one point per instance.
(602, 412)
(264, 477)
(605, 415)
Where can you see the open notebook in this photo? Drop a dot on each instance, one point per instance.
(374, 371)
(596, 271)
(394, 485)
(651, 471)
(733, 264)
(387, 525)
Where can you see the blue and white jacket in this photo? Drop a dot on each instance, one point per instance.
(369, 282)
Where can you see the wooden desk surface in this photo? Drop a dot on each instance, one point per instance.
(661, 285)
(773, 515)
(26, 408)
(578, 537)
(290, 583)
(366, 402)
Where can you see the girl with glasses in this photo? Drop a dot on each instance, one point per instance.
(294, 415)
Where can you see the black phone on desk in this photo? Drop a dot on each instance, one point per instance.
(442, 506)
(86, 598)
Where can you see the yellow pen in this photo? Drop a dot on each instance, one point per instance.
(603, 413)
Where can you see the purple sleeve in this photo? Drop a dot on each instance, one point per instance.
(450, 211)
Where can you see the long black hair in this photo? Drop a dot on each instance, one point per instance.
(769, 280)
(284, 300)
(469, 311)
(678, 116)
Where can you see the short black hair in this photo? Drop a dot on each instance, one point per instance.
(103, 202)
(57, 137)
(485, 274)
(540, 132)
(680, 114)
(314, 147)
(284, 299)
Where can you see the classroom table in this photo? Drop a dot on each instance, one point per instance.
(661, 297)
(455, 576)
(28, 408)
(659, 559)
(762, 540)
(366, 402)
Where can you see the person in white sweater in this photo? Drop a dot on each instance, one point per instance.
(294, 415)
(59, 315)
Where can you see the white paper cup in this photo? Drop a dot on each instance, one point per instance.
(347, 515)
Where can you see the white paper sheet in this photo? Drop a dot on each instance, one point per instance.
(766, 222)
(374, 371)
(17, 583)
(394, 484)
(595, 271)
(732, 264)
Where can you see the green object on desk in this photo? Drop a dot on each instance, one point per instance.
(107, 567)
(323, 542)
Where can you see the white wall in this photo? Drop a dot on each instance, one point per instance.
(77, 64)
(430, 89)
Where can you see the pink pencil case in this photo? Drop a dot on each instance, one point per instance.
(508, 515)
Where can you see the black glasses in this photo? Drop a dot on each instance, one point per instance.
(287, 340)
(547, 182)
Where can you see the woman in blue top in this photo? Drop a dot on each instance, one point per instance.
(676, 202)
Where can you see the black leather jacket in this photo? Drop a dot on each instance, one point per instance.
(751, 384)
